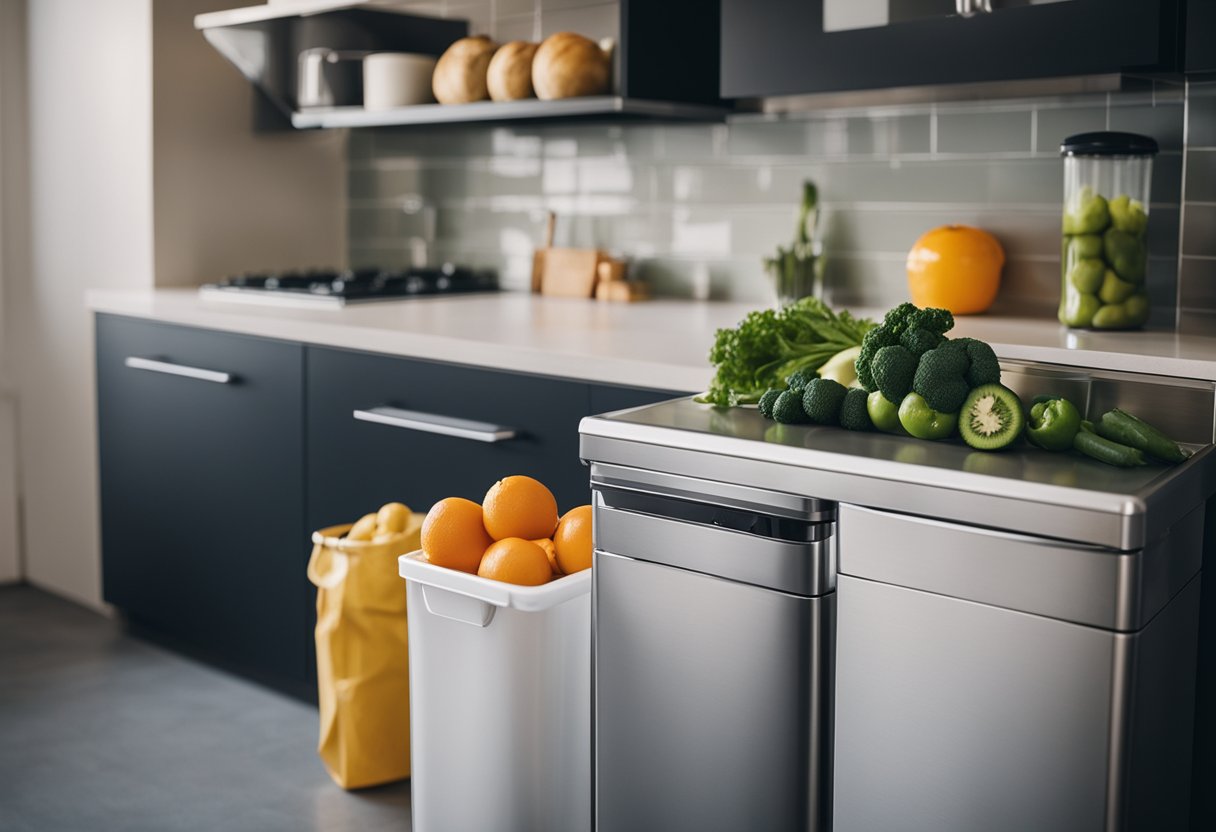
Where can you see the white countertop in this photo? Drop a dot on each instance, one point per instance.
(661, 344)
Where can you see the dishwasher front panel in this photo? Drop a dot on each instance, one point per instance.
(711, 699)
(954, 716)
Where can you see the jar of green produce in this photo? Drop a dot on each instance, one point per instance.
(1104, 258)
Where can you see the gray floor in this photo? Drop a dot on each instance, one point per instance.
(100, 731)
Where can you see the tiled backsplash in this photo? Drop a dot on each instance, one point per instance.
(696, 206)
(1197, 277)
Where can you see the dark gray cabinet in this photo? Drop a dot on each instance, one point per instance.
(790, 47)
(212, 481)
(354, 465)
(1201, 36)
(202, 491)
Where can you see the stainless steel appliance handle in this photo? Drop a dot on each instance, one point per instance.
(434, 423)
(182, 370)
(698, 490)
(982, 531)
(806, 568)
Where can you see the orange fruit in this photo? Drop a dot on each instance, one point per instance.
(515, 561)
(454, 534)
(519, 507)
(550, 552)
(573, 540)
(955, 267)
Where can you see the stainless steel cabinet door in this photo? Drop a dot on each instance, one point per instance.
(708, 696)
(952, 716)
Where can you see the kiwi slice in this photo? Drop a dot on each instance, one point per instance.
(991, 417)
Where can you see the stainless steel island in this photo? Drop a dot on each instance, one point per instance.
(1000, 641)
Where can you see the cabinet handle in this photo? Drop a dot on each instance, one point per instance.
(178, 370)
(433, 423)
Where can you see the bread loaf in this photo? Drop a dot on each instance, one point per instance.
(569, 65)
(509, 77)
(460, 75)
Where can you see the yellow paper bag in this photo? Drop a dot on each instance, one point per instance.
(362, 655)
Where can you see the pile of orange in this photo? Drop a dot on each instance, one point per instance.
(514, 536)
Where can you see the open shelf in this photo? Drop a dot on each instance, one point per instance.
(525, 110)
(655, 78)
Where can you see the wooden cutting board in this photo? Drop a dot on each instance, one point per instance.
(570, 272)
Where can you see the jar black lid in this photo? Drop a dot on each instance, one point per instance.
(1108, 143)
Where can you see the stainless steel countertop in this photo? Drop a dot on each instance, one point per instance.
(1023, 489)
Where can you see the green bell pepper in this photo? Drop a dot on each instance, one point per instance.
(1053, 424)
(924, 422)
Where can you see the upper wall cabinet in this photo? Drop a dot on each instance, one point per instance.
(792, 47)
(665, 56)
(1201, 36)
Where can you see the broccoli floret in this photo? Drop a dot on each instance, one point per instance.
(893, 369)
(799, 379)
(822, 399)
(787, 409)
(941, 378)
(919, 341)
(767, 401)
(939, 321)
(873, 341)
(984, 367)
(854, 415)
(898, 319)
(896, 322)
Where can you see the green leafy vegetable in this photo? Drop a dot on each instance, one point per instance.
(769, 345)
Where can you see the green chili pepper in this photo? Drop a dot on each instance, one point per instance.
(1053, 424)
(1121, 426)
(1103, 450)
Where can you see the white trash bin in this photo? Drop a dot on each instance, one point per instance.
(500, 701)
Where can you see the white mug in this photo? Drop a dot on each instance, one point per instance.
(397, 79)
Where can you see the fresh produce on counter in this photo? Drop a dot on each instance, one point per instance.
(768, 346)
(514, 536)
(1104, 450)
(1117, 438)
(991, 417)
(919, 383)
(1122, 427)
(883, 413)
(922, 421)
(955, 267)
(1054, 423)
(911, 380)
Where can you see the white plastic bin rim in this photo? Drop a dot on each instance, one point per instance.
(414, 567)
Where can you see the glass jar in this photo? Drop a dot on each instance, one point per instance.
(1104, 259)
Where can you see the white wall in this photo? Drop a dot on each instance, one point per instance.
(13, 231)
(90, 211)
(10, 536)
(143, 171)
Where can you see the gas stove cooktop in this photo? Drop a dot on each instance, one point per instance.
(332, 288)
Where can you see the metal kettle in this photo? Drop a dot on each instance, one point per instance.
(329, 78)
